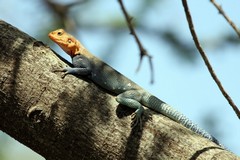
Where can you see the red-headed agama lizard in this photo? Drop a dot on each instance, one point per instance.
(127, 92)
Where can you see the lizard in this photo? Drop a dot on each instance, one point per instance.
(127, 92)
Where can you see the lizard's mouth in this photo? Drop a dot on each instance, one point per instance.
(71, 53)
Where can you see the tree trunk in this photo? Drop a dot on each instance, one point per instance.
(72, 118)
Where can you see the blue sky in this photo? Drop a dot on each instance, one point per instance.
(186, 86)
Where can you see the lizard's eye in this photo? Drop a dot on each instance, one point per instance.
(69, 41)
(59, 33)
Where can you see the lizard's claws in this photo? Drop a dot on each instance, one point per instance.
(63, 76)
(61, 70)
(136, 119)
(58, 70)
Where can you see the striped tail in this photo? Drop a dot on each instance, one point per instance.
(156, 104)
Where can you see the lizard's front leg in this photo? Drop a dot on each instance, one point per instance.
(74, 71)
(132, 99)
(82, 67)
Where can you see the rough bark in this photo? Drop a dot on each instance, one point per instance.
(73, 118)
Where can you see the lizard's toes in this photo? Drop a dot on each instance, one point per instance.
(63, 76)
(57, 70)
(136, 120)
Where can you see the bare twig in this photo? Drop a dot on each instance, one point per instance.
(221, 11)
(202, 53)
(62, 11)
(143, 52)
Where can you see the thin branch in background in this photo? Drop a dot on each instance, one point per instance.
(62, 11)
(143, 52)
(221, 11)
(202, 53)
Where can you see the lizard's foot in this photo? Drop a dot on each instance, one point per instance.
(136, 119)
(59, 70)
(62, 70)
(132, 99)
(74, 71)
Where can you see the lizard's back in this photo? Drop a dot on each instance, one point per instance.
(108, 78)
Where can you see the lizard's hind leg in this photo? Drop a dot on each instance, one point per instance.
(132, 99)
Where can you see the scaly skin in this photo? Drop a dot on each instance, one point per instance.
(128, 93)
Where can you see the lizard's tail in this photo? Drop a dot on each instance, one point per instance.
(156, 104)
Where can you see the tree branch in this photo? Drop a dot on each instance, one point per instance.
(205, 59)
(73, 119)
(62, 11)
(221, 11)
(143, 51)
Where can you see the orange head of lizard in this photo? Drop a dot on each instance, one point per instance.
(66, 41)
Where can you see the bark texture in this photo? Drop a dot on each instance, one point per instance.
(74, 119)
